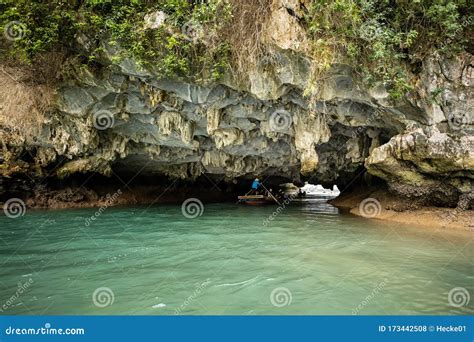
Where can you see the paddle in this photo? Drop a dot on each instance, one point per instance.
(263, 186)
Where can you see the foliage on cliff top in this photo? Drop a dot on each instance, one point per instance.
(174, 48)
(385, 40)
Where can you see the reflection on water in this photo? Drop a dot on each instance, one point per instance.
(317, 206)
(311, 259)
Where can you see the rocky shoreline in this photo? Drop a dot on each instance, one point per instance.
(71, 197)
(381, 205)
(374, 204)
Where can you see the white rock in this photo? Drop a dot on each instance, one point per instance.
(155, 19)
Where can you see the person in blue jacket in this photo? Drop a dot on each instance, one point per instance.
(256, 184)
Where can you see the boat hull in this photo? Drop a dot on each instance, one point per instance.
(256, 200)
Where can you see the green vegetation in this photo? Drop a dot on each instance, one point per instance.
(174, 48)
(384, 39)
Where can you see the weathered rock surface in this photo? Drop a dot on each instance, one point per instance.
(128, 120)
(416, 164)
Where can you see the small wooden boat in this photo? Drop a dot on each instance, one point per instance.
(256, 199)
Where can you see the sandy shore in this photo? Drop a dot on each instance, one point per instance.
(380, 205)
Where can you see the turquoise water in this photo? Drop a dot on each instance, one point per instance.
(311, 259)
